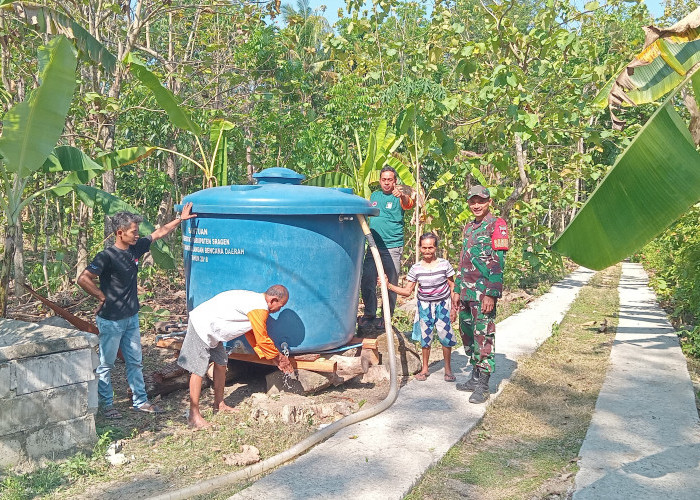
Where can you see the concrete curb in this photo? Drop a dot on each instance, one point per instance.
(385, 456)
(644, 438)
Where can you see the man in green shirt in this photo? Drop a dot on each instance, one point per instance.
(387, 230)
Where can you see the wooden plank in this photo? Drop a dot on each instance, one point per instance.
(369, 343)
(366, 343)
(320, 365)
(170, 343)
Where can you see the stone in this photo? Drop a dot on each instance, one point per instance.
(53, 370)
(19, 339)
(93, 397)
(117, 459)
(56, 321)
(375, 375)
(409, 306)
(10, 452)
(5, 379)
(249, 455)
(37, 409)
(48, 391)
(305, 382)
(62, 438)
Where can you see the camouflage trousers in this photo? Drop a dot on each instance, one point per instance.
(478, 331)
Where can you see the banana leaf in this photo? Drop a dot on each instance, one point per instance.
(50, 21)
(32, 128)
(218, 141)
(331, 179)
(124, 157)
(654, 181)
(668, 55)
(93, 197)
(82, 169)
(165, 98)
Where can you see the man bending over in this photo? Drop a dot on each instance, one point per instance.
(222, 318)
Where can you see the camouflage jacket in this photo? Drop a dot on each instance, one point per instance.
(482, 259)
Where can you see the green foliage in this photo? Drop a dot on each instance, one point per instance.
(362, 174)
(110, 204)
(31, 485)
(52, 476)
(690, 342)
(165, 98)
(672, 260)
(32, 128)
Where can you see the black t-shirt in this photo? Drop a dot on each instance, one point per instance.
(117, 270)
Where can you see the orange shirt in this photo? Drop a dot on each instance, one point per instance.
(257, 337)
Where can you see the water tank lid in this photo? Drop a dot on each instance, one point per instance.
(279, 175)
(278, 193)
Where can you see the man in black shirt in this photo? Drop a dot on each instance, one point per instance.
(117, 314)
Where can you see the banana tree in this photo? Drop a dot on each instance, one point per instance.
(361, 173)
(214, 166)
(30, 132)
(657, 178)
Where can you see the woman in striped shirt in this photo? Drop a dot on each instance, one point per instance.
(435, 278)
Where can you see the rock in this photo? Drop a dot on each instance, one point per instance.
(305, 382)
(56, 321)
(375, 375)
(291, 408)
(114, 448)
(249, 455)
(117, 459)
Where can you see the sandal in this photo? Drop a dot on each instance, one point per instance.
(422, 377)
(450, 378)
(148, 408)
(111, 413)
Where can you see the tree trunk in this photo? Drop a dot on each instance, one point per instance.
(249, 153)
(521, 157)
(19, 259)
(6, 267)
(84, 216)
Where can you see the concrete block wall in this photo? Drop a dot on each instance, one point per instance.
(48, 391)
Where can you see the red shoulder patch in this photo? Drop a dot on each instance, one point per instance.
(499, 238)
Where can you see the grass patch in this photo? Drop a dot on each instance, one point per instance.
(527, 444)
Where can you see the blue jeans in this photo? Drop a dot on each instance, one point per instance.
(114, 334)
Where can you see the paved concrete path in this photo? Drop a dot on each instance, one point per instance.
(644, 439)
(385, 456)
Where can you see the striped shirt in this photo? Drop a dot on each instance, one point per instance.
(432, 281)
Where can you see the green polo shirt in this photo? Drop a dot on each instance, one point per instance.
(387, 227)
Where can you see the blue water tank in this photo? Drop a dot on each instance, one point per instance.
(277, 231)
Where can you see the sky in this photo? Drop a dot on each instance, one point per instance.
(332, 6)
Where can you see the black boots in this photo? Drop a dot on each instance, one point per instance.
(478, 385)
(470, 384)
(481, 392)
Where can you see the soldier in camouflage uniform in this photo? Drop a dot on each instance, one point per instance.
(479, 283)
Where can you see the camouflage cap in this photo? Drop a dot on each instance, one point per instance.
(480, 191)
